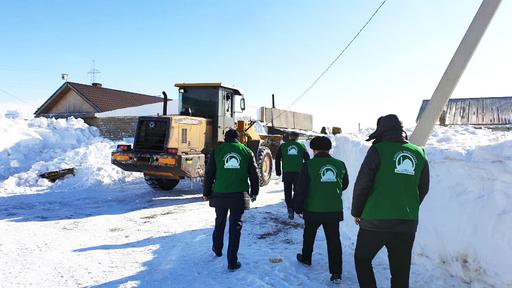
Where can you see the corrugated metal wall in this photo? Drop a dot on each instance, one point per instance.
(475, 111)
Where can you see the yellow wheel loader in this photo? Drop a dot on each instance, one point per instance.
(169, 148)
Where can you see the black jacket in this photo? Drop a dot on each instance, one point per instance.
(301, 194)
(287, 176)
(364, 186)
(234, 199)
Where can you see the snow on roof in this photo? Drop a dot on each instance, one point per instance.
(143, 110)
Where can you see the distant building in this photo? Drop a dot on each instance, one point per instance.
(85, 101)
(491, 111)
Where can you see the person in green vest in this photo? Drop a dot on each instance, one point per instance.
(227, 189)
(391, 184)
(318, 196)
(293, 154)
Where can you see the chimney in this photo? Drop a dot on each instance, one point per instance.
(96, 84)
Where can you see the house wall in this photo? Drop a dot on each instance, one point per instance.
(475, 111)
(71, 102)
(114, 128)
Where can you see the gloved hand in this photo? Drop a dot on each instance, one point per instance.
(253, 198)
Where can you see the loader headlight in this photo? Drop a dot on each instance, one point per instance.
(167, 161)
(120, 157)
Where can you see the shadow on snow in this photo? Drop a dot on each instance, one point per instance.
(185, 259)
(93, 201)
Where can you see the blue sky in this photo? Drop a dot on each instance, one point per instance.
(263, 47)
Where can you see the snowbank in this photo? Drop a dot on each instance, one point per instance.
(466, 219)
(31, 147)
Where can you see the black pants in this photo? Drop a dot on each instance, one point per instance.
(399, 246)
(290, 180)
(235, 228)
(332, 235)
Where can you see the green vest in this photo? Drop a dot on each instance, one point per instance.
(292, 153)
(395, 192)
(231, 175)
(325, 184)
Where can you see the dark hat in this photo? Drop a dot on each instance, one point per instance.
(388, 123)
(294, 134)
(320, 143)
(231, 135)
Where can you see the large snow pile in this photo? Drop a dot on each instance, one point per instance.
(31, 147)
(466, 219)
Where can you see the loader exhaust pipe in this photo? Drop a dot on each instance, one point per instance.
(272, 110)
(165, 103)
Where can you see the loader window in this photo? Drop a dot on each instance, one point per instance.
(151, 134)
(203, 101)
(227, 103)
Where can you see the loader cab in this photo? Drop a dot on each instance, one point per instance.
(214, 101)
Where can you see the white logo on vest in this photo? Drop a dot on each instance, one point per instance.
(293, 150)
(232, 161)
(328, 174)
(405, 162)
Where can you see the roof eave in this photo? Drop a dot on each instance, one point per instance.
(49, 100)
(98, 110)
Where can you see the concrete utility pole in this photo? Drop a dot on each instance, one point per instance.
(454, 70)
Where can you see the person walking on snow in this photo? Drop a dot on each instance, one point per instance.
(293, 154)
(392, 182)
(227, 189)
(318, 196)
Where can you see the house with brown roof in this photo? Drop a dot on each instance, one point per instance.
(85, 101)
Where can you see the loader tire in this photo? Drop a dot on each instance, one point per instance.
(161, 183)
(264, 163)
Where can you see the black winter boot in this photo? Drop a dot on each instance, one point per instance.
(217, 253)
(233, 267)
(290, 214)
(336, 278)
(301, 259)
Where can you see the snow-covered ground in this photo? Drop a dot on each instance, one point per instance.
(104, 227)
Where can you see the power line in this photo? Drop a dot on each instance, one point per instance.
(13, 69)
(13, 96)
(335, 59)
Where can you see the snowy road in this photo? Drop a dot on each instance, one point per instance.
(131, 236)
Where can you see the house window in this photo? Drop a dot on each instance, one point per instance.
(183, 135)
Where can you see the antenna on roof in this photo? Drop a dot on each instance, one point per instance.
(93, 72)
